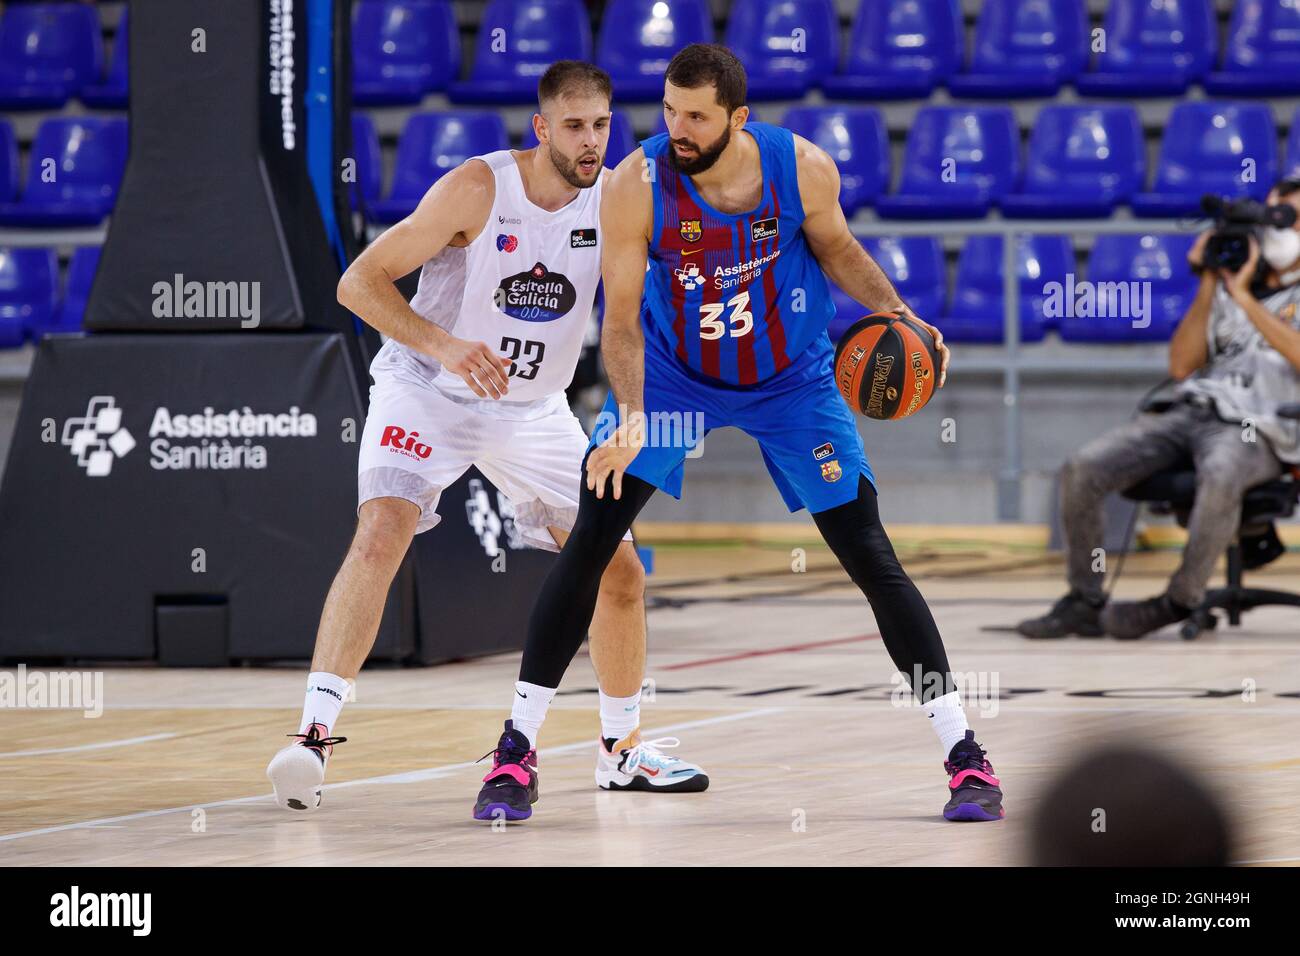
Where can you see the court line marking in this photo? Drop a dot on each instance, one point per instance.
(1004, 707)
(787, 649)
(80, 747)
(411, 776)
(1276, 859)
(807, 704)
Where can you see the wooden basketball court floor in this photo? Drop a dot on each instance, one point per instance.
(774, 680)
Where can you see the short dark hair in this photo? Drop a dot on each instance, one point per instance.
(573, 76)
(1287, 186)
(705, 64)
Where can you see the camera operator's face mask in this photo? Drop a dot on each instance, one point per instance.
(1279, 247)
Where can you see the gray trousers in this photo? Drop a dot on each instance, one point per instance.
(1226, 466)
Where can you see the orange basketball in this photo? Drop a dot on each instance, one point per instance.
(886, 365)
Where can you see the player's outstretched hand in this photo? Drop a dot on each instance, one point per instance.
(484, 371)
(938, 344)
(610, 459)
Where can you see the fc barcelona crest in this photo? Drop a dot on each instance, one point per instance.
(691, 231)
(831, 470)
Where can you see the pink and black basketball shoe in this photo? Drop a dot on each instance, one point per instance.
(975, 794)
(510, 788)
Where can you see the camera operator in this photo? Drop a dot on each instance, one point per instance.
(1235, 357)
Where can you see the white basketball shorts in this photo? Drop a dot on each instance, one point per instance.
(418, 442)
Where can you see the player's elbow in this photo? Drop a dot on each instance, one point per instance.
(343, 292)
(349, 290)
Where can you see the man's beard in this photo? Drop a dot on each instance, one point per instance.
(704, 159)
(568, 168)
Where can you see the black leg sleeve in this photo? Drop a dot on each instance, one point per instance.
(854, 533)
(567, 601)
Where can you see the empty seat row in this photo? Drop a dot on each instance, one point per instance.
(1082, 161)
(30, 301)
(1136, 289)
(959, 162)
(908, 48)
(53, 52)
(403, 49)
(31, 304)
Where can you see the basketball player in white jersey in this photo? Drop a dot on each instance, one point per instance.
(474, 373)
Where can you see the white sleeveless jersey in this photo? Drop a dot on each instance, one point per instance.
(525, 286)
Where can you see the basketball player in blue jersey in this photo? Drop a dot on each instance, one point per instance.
(741, 225)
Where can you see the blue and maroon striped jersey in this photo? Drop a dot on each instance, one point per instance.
(734, 297)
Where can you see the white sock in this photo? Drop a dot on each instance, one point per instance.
(619, 716)
(325, 695)
(948, 720)
(529, 708)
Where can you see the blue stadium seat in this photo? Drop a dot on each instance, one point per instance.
(8, 163)
(1206, 149)
(402, 49)
(1024, 49)
(433, 144)
(29, 282)
(48, 52)
(112, 93)
(914, 265)
(89, 155)
(958, 162)
(517, 41)
(975, 313)
(1158, 264)
(621, 139)
(899, 49)
(1262, 53)
(639, 37)
(81, 275)
(787, 46)
(855, 137)
(1152, 49)
(1083, 161)
(370, 169)
(1292, 146)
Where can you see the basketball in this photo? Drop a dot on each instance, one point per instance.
(886, 366)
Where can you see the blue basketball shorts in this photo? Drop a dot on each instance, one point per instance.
(807, 434)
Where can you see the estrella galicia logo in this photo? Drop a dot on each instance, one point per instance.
(764, 229)
(507, 243)
(537, 295)
(582, 238)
